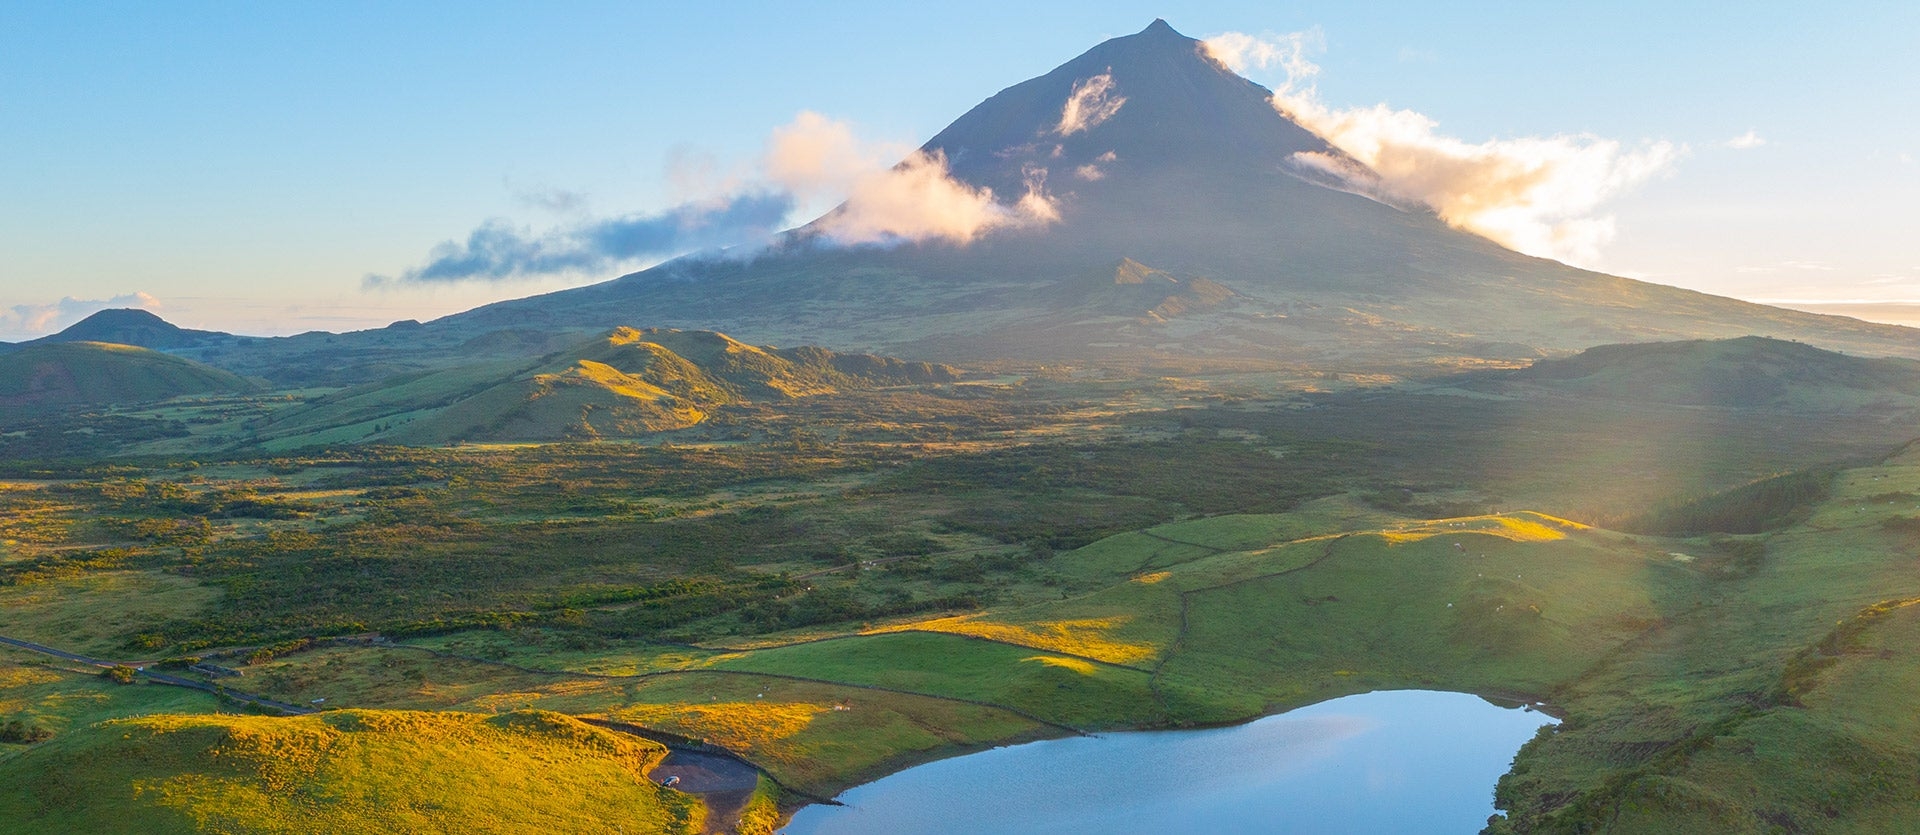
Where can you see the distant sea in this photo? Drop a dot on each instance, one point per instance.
(1892, 313)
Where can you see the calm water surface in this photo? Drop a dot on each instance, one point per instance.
(1398, 761)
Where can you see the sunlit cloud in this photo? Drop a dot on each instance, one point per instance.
(1288, 53)
(1093, 101)
(917, 199)
(23, 321)
(1746, 141)
(814, 155)
(1093, 171)
(1538, 195)
(887, 193)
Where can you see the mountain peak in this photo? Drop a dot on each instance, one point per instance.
(121, 317)
(1160, 28)
(130, 326)
(1129, 109)
(1146, 147)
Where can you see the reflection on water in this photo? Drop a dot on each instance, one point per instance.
(1400, 761)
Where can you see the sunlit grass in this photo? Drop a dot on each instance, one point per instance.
(342, 772)
(1522, 526)
(97, 612)
(1087, 637)
(735, 725)
(1073, 664)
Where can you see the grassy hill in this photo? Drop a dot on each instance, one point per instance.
(57, 375)
(625, 383)
(1747, 372)
(353, 771)
(131, 326)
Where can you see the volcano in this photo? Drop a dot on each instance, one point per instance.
(1187, 226)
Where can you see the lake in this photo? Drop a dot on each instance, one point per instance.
(1391, 761)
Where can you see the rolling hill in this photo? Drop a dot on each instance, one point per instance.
(56, 375)
(1746, 372)
(625, 383)
(131, 326)
(347, 771)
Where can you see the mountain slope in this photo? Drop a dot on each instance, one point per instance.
(625, 383)
(62, 374)
(1194, 174)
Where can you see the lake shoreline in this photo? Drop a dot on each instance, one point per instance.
(858, 800)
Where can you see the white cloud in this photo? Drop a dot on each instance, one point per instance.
(1241, 52)
(1091, 103)
(1539, 195)
(916, 200)
(25, 321)
(814, 154)
(1092, 171)
(811, 159)
(1746, 141)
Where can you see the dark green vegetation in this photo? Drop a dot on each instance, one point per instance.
(39, 378)
(626, 383)
(926, 568)
(128, 326)
(1750, 373)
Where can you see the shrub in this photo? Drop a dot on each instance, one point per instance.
(18, 731)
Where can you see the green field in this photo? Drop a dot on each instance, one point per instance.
(948, 571)
(345, 772)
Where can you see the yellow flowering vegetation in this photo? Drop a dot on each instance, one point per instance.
(1085, 637)
(737, 726)
(1524, 526)
(351, 771)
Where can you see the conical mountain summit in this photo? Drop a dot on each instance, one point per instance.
(1146, 151)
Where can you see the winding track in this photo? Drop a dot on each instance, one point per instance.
(161, 678)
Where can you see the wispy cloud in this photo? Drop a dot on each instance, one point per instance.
(1092, 171)
(25, 321)
(1539, 195)
(810, 159)
(1746, 141)
(917, 199)
(1093, 101)
(1288, 53)
(549, 199)
(500, 251)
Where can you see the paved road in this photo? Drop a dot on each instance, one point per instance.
(159, 678)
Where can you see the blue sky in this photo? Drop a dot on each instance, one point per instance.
(247, 166)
